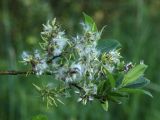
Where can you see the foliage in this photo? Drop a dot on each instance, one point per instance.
(82, 65)
(134, 23)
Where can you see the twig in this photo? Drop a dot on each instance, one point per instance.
(14, 72)
(54, 57)
(76, 86)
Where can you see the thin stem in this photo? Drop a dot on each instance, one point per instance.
(14, 72)
(54, 57)
(76, 86)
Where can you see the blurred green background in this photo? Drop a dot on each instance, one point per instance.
(135, 23)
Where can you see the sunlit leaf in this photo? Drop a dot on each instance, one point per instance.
(89, 21)
(105, 105)
(140, 82)
(134, 74)
(37, 87)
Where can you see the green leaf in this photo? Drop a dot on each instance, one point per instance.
(140, 82)
(104, 88)
(114, 99)
(117, 94)
(37, 87)
(134, 74)
(89, 21)
(105, 105)
(105, 45)
(40, 117)
(110, 77)
(101, 86)
(137, 91)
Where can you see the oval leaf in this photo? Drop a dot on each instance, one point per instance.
(141, 82)
(137, 91)
(134, 74)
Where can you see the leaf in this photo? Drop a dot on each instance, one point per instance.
(101, 87)
(102, 29)
(37, 87)
(40, 117)
(119, 77)
(105, 45)
(110, 77)
(105, 105)
(89, 21)
(114, 99)
(137, 91)
(134, 74)
(140, 82)
(117, 94)
(104, 87)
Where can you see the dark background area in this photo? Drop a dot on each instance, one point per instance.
(134, 23)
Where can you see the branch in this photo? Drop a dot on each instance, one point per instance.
(54, 57)
(76, 86)
(14, 72)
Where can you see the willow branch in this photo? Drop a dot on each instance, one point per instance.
(76, 86)
(14, 72)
